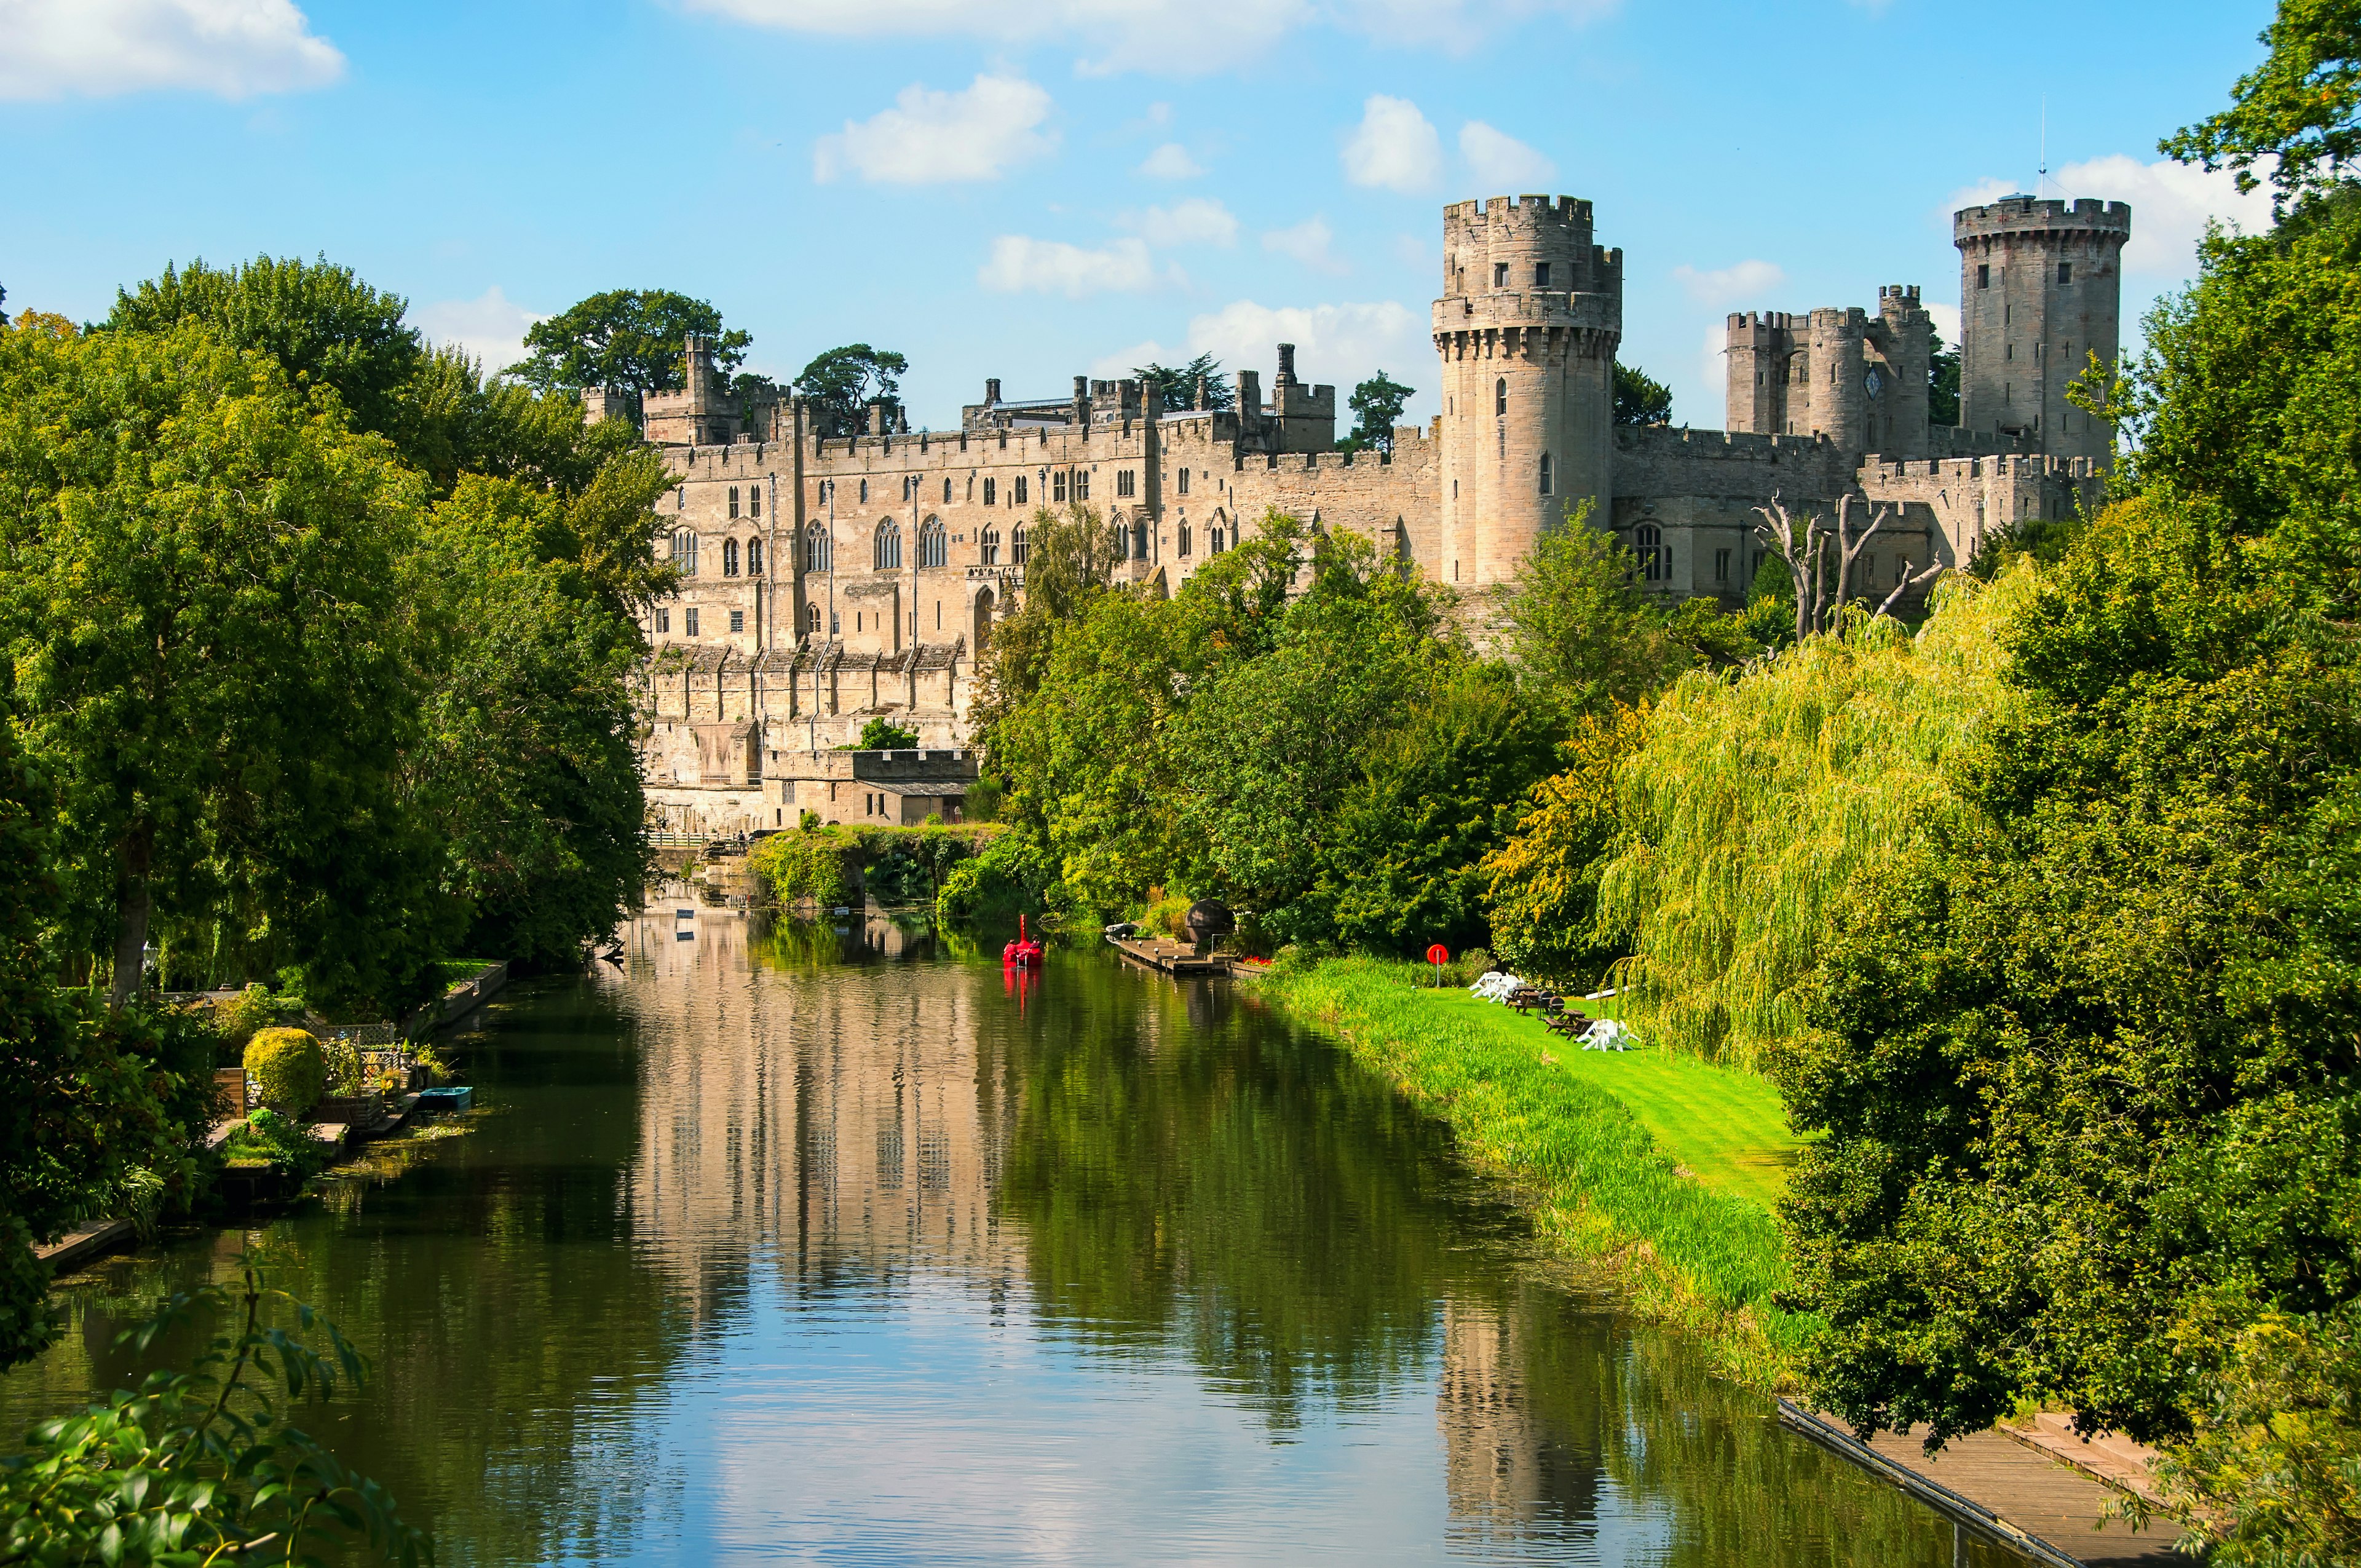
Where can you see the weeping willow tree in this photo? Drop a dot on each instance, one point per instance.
(1754, 800)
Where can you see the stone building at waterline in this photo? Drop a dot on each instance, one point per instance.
(829, 580)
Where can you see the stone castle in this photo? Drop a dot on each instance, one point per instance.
(829, 580)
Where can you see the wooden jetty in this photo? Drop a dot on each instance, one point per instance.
(1173, 958)
(2006, 1491)
(83, 1243)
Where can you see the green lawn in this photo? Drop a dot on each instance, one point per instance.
(1726, 1127)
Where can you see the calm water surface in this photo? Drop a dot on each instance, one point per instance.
(817, 1245)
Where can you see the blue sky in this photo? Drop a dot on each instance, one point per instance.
(1046, 188)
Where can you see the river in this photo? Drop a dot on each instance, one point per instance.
(813, 1245)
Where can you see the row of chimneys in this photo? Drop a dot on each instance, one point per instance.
(1197, 399)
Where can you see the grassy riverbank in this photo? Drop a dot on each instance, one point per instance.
(1665, 1168)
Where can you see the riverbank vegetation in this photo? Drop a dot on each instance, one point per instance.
(2039, 914)
(827, 864)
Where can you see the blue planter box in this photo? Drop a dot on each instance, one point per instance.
(457, 1097)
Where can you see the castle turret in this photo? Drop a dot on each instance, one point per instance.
(2041, 291)
(1527, 328)
(1901, 354)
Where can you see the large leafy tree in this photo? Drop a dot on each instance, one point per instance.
(1640, 398)
(1377, 404)
(628, 340)
(1581, 627)
(2294, 112)
(840, 386)
(1179, 386)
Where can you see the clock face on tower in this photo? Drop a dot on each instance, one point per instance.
(1873, 382)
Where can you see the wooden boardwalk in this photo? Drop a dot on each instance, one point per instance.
(2005, 1491)
(1173, 958)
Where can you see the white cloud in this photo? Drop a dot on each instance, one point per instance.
(1170, 161)
(927, 136)
(2171, 204)
(1713, 372)
(1946, 321)
(490, 326)
(1729, 285)
(50, 48)
(1161, 37)
(1498, 161)
(1394, 146)
(1338, 345)
(1308, 243)
(1197, 221)
(1023, 265)
(1118, 365)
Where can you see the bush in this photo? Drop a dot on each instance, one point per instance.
(288, 1068)
(251, 1009)
(1167, 913)
(268, 1138)
(885, 735)
(813, 865)
(1010, 877)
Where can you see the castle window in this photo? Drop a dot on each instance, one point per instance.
(1017, 548)
(754, 500)
(1545, 473)
(680, 499)
(835, 624)
(2008, 351)
(811, 618)
(737, 620)
(1499, 274)
(1655, 558)
(947, 492)
(1017, 496)
(1540, 274)
(1126, 483)
(2065, 272)
(827, 491)
(991, 544)
(1139, 541)
(1122, 543)
(864, 492)
(729, 558)
(1500, 395)
(1184, 481)
(1184, 536)
(991, 489)
(1216, 544)
(684, 552)
(733, 500)
(688, 623)
(818, 556)
(753, 557)
(664, 621)
(887, 550)
(934, 550)
(1722, 566)
(1081, 484)
(1058, 487)
(1984, 276)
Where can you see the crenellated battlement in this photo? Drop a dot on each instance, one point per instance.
(1522, 211)
(2028, 214)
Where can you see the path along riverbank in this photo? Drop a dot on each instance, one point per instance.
(1664, 1168)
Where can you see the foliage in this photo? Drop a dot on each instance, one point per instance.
(1942, 381)
(1177, 386)
(628, 339)
(251, 1009)
(282, 1143)
(813, 864)
(1544, 880)
(204, 1464)
(1753, 800)
(1640, 398)
(1377, 404)
(2277, 1450)
(1583, 633)
(885, 735)
(288, 1068)
(839, 385)
(1010, 876)
(2295, 113)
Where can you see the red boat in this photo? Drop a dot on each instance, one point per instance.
(1024, 952)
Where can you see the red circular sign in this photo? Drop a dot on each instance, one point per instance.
(1437, 955)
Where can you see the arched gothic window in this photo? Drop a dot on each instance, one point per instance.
(1500, 395)
(684, 552)
(1017, 547)
(811, 618)
(1545, 473)
(1139, 539)
(934, 549)
(1655, 555)
(753, 557)
(1220, 540)
(1184, 536)
(817, 556)
(1122, 543)
(888, 550)
(991, 547)
(729, 558)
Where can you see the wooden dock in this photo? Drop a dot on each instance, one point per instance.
(1173, 958)
(84, 1242)
(2004, 1490)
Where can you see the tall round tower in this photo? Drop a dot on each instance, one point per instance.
(2041, 291)
(1527, 326)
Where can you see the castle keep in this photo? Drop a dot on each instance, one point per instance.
(828, 580)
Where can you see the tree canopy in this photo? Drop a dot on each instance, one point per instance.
(840, 386)
(1178, 386)
(1640, 398)
(628, 340)
(1377, 404)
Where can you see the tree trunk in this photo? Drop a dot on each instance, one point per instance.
(135, 901)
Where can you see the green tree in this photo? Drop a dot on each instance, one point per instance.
(628, 339)
(1177, 386)
(1942, 381)
(2295, 111)
(840, 386)
(1580, 626)
(1377, 404)
(885, 735)
(1640, 398)
(1542, 880)
(203, 618)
